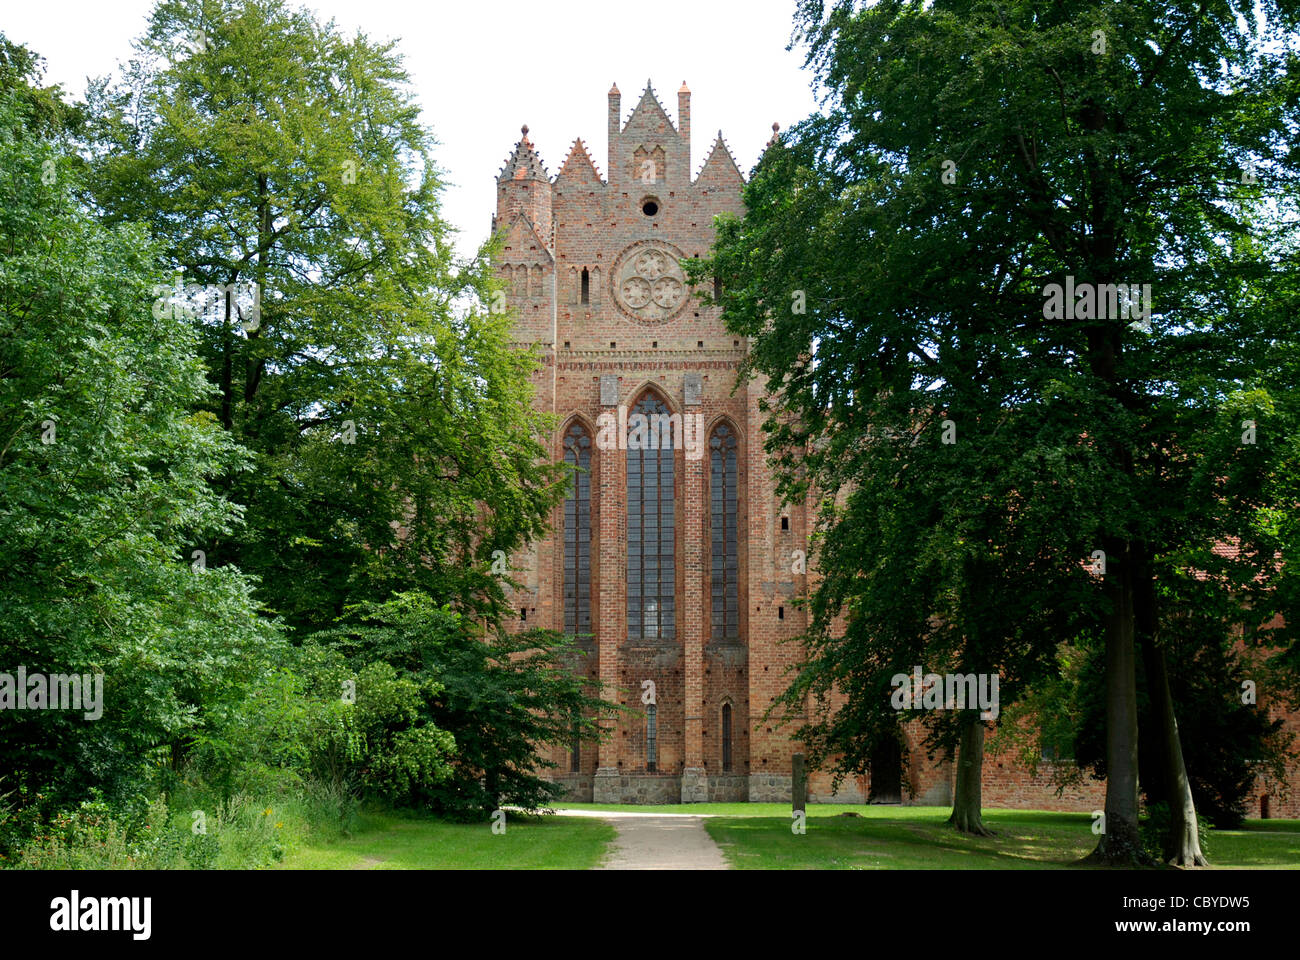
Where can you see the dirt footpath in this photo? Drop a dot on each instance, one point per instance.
(657, 841)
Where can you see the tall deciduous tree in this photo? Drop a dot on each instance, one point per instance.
(285, 170)
(106, 474)
(963, 222)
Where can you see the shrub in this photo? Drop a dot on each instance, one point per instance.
(1153, 828)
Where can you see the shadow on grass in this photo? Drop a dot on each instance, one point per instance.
(1032, 840)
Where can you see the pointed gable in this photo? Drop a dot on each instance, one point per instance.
(578, 167)
(720, 169)
(524, 163)
(649, 117)
(523, 243)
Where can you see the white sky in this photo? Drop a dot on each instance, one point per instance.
(481, 69)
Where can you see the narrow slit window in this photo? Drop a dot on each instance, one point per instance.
(651, 738)
(586, 285)
(726, 738)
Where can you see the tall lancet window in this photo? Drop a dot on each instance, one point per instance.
(651, 571)
(577, 533)
(724, 544)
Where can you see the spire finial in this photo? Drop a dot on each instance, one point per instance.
(524, 130)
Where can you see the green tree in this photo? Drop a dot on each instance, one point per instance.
(106, 474)
(972, 163)
(1228, 738)
(284, 169)
(44, 109)
(501, 696)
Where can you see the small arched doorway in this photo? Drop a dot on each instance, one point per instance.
(886, 766)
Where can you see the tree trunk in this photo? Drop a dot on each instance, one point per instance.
(1183, 842)
(1120, 843)
(968, 798)
(227, 369)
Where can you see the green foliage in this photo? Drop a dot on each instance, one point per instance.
(105, 479)
(359, 427)
(501, 696)
(1226, 743)
(240, 832)
(407, 757)
(891, 272)
(1154, 828)
(21, 71)
(395, 444)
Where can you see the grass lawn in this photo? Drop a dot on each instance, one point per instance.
(1025, 839)
(757, 836)
(389, 842)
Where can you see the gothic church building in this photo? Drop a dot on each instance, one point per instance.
(676, 566)
(671, 565)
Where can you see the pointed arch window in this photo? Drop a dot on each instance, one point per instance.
(577, 532)
(586, 286)
(724, 543)
(651, 570)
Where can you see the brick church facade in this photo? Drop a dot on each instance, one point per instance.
(673, 562)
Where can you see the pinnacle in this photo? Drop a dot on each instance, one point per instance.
(524, 163)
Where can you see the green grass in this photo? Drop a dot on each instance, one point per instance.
(916, 838)
(391, 842)
(758, 836)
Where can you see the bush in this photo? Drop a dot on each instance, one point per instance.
(500, 697)
(1153, 828)
(238, 832)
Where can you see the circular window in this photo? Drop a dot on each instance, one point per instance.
(649, 207)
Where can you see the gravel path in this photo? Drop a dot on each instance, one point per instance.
(657, 841)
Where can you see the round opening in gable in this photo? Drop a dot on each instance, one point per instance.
(649, 207)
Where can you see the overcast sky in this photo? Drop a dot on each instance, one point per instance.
(481, 69)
